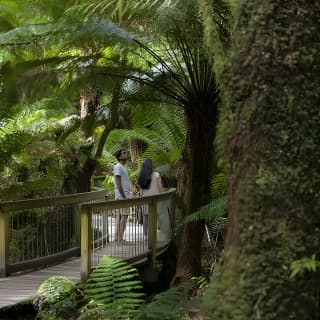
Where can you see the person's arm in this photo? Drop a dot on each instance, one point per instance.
(119, 186)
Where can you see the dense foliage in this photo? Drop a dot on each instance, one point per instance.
(227, 106)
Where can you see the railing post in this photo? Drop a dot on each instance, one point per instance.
(86, 243)
(152, 232)
(3, 243)
(77, 224)
(172, 215)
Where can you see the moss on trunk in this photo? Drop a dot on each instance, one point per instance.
(273, 119)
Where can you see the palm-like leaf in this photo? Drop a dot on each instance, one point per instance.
(215, 209)
(218, 206)
(7, 17)
(163, 131)
(172, 304)
(219, 185)
(119, 10)
(116, 286)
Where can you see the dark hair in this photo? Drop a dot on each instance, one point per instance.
(145, 174)
(117, 154)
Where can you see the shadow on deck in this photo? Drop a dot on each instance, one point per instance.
(19, 287)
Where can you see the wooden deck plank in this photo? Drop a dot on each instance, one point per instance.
(17, 288)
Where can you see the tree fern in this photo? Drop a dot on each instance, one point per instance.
(115, 285)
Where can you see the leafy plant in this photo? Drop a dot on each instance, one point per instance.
(218, 205)
(305, 264)
(215, 209)
(114, 286)
(219, 185)
(202, 282)
(172, 304)
(92, 311)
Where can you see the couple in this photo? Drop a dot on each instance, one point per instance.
(149, 183)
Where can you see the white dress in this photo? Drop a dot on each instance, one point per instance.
(155, 185)
(155, 188)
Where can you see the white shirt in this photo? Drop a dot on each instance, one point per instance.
(120, 170)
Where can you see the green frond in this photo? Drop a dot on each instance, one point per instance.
(116, 286)
(69, 30)
(306, 264)
(10, 143)
(172, 304)
(99, 30)
(184, 75)
(215, 209)
(219, 185)
(25, 34)
(119, 10)
(7, 15)
(118, 137)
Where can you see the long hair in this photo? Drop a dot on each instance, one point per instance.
(145, 174)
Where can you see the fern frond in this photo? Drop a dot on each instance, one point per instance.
(118, 10)
(219, 185)
(215, 209)
(116, 286)
(7, 17)
(172, 304)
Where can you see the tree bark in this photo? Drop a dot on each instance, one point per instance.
(84, 162)
(273, 154)
(81, 161)
(194, 185)
(89, 102)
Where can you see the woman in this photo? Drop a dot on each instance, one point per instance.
(150, 183)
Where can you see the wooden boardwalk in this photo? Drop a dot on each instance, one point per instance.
(17, 288)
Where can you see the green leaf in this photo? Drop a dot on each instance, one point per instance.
(114, 283)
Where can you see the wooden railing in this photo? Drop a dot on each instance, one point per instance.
(39, 232)
(99, 222)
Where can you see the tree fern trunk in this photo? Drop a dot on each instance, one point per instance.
(194, 185)
(273, 97)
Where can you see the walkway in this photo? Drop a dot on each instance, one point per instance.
(18, 288)
(96, 222)
(14, 289)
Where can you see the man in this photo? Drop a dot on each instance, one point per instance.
(122, 191)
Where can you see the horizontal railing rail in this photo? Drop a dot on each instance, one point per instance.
(52, 201)
(38, 232)
(130, 229)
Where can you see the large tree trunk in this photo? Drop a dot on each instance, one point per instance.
(194, 185)
(82, 162)
(274, 170)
